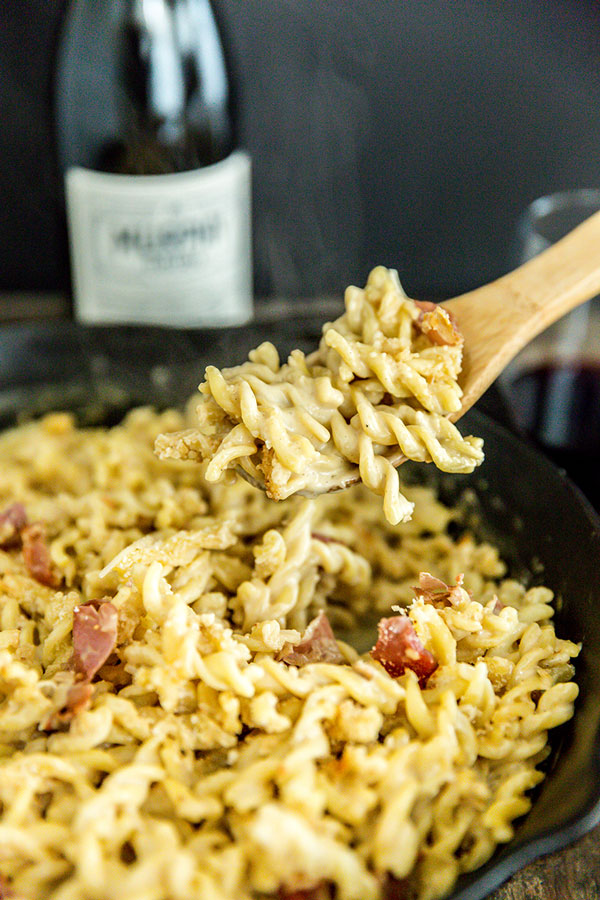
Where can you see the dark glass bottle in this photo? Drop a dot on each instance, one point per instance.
(158, 200)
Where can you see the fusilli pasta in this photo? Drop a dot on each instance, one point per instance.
(384, 378)
(219, 744)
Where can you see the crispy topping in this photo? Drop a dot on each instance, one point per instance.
(36, 554)
(266, 465)
(399, 648)
(318, 644)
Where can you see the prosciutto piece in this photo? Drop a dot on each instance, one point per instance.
(78, 699)
(325, 538)
(399, 889)
(94, 636)
(437, 323)
(399, 648)
(318, 644)
(321, 891)
(12, 521)
(5, 889)
(437, 592)
(36, 554)
(94, 639)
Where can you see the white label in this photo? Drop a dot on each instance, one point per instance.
(162, 249)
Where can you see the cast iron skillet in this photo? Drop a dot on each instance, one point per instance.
(546, 530)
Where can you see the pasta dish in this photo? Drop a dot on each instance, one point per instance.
(179, 716)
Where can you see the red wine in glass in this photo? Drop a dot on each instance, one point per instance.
(558, 404)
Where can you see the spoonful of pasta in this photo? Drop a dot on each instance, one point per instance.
(388, 381)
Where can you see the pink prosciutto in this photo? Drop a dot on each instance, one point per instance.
(437, 592)
(12, 520)
(36, 554)
(399, 648)
(94, 639)
(318, 644)
(94, 636)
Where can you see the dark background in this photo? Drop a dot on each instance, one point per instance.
(409, 133)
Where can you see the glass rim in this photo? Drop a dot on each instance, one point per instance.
(550, 217)
(548, 203)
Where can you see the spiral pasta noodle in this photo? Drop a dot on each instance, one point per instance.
(383, 379)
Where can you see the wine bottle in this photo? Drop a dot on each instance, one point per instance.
(157, 198)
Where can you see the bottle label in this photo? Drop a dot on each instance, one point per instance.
(162, 249)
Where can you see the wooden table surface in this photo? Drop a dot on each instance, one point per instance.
(569, 874)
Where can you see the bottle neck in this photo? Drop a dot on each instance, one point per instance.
(142, 87)
(176, 65)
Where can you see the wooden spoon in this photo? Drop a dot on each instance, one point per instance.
(500, 318)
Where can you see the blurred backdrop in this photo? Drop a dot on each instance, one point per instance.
(401, 132)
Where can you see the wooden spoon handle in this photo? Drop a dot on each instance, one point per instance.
(500, 318)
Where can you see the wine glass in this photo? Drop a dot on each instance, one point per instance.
(553, 385)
